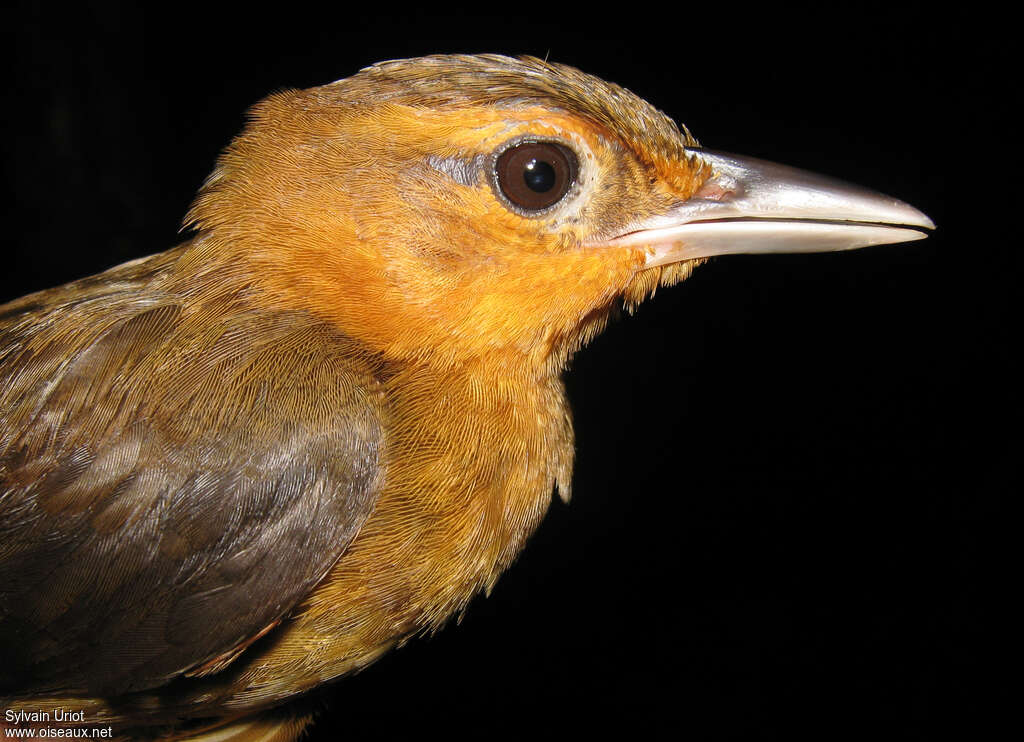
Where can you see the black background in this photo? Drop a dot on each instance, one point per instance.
(792, 471)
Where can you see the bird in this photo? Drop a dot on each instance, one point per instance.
(250, 465)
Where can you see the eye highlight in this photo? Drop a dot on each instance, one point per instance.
(533, 176)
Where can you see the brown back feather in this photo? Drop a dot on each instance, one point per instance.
(157, 456)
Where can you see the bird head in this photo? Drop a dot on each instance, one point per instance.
(452, 208)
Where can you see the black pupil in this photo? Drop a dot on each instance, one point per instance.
(539, 176)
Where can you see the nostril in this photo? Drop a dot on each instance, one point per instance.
(717, 189)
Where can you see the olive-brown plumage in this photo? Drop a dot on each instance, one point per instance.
(255, 462)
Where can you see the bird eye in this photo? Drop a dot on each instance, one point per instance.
(534, 176)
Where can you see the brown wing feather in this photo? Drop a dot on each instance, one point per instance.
(176, 473)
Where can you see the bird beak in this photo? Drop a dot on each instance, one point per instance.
(753, 206)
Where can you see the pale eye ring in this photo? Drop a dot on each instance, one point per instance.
(532, 175)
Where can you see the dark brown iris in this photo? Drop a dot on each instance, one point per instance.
(534, 176)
